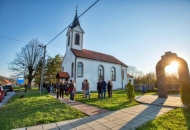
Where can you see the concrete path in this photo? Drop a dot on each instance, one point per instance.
(172, 100)
(85, 108)
(125, 119)
(7, 98)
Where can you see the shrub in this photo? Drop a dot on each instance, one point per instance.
(184, 92)
(130, 91)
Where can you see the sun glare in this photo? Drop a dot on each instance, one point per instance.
(172, 68)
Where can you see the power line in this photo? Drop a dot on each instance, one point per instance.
(71, 23)
(14, 39)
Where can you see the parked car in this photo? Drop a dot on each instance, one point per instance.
(5, 89)
(9, 87)
(2, 93)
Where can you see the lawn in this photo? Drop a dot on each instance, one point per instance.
(176, 119)
(117, 102)
(35, 109)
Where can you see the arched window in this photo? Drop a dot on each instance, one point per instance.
(69, 40)
(77, 39)
(72, 69)
(100, 72)
(113, 74)
(80, 70)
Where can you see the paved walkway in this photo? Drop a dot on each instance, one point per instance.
(7, 98)
(85, 108)
(171, 101)
(128, 118)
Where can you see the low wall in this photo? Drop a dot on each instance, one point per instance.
(148, 86)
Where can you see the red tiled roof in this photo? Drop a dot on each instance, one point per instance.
(62, 75)
(129, 76)
(96, 56)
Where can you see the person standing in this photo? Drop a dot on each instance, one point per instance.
(58, 89)
(87, 87)
(103, 89)
(61, 94)
(25, 87)
(71, 90)
(66, 86)
(143, 89)
(83, 90)
(109, 87)
(99, 88)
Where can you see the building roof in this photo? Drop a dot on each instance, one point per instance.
(62, 75)
(129, 76)
(97, 56)
(75, 21)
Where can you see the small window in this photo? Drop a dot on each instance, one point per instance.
(113, 74)
(72, 69)
(77, 39)
(80, 70)
(100, 72)
(122, 73)
(69, 40)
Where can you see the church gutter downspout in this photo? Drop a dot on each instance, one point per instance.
(122, 77)
(75, 69)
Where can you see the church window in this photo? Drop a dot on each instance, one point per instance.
(69, 40)
(80, 70)
(72, 69)
(113, 74)
(122, 73)
(77, 39)
(100, 72)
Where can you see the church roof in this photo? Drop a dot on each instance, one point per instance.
(129, 76)
(75, 21)
(96, 56)
(62, 75)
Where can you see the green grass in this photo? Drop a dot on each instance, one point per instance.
(177, 119)
(117, 102)
(34, 109)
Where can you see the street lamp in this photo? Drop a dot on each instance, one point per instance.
(43, 64)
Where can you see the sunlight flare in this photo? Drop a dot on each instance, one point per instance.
(172, 68)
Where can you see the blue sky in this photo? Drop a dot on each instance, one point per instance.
(137, 32)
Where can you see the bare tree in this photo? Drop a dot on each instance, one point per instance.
(132, 70)
(27, 60)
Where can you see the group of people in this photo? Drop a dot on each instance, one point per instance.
(66, 88)
(101, 88)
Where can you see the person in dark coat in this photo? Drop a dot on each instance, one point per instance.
(25, 87)
(66, 86)
(110, 87)
(58, 89)
(71, 90)
(61, 94)
(103, 89)
(99, 88)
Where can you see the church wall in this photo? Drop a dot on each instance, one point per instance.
(90, 72)
(69, 58)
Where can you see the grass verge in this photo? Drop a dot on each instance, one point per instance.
(118, 101)
(34, 109)
(176, 119)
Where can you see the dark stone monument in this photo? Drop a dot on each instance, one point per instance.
(167, 59)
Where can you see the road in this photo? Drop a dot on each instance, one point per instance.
(7, 98)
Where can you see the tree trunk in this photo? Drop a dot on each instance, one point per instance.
(29, 83)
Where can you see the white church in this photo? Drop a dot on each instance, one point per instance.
(79, 63)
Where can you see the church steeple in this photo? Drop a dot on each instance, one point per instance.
(75, 35)
(75, 21)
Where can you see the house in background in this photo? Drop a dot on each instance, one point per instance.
(82, 64)
(130, 78)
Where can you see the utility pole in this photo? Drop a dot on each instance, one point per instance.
(43, 65)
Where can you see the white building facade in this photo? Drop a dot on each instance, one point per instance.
(83, 64)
